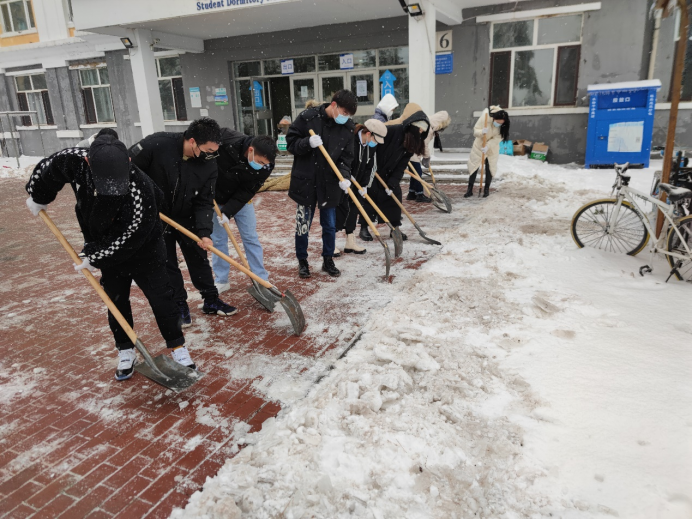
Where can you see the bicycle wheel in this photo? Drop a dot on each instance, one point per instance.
(684, 272)
(628, 235)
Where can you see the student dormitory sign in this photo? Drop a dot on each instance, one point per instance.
(226, 4)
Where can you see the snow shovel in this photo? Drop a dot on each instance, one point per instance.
(255, 290)
(439, 199)
(388, 260)
(161, 369)
(287, 300)
(396, 233)
(432, 175)
(401, 206)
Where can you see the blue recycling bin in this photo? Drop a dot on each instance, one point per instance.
(621, 123)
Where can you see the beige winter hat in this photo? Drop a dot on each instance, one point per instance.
(377, 128)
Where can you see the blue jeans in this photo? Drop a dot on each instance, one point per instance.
(247, 227)
(415, 186)
(304, 215)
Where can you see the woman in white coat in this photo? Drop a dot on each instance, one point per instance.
(496, 130)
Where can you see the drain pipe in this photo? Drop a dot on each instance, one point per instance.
(654, 42)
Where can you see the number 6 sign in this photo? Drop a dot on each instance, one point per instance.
(444, 41)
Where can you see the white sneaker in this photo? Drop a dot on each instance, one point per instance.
(182, 356)
(222, 287)
(126, 364)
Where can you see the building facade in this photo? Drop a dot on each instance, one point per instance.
(250, 65)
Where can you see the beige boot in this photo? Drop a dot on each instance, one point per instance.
(352, 246)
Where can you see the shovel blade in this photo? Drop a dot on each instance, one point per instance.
(440, 200)
(261, 296)
(169, 373)
(293, 311)
(398, 241)
(387, 257)
(425, 236)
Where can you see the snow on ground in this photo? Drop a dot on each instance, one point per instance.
(9, 169)
(512, 375)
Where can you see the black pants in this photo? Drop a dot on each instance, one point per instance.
(487, 178)
(197, 264)
(347, 213)
(154, 283)
(385, 203)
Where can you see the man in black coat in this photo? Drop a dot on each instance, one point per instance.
(183, 165)
(117, 209)
(313, 183)
(244, 164)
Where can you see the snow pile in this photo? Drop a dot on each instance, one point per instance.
(512, 375)
(9, 169)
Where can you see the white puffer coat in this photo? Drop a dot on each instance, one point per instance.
(493, 143)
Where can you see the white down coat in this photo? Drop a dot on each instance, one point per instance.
(493, 144)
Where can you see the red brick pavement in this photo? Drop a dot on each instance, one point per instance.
(76, 443)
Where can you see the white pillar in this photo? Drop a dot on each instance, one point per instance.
(51, 21)
(421, 58)
(146, 83)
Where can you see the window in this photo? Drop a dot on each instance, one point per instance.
(17, 15)
(171, 88)
(535, 62)
(686, 92)
(96, 93)
(32, 95)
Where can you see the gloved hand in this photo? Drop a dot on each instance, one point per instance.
(316, 141)
(34, 207)
(345, 184)
(85, 265)
(363, 191)
(389, 192)
(485, 130)
(484, 149)
(223, 219)
(425, 162)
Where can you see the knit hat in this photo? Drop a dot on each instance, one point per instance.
(110, 166)
(377, 128)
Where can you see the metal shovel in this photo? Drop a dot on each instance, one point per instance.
(161, 369)
(287, 300)
(401, 206)
(375, 232)
(255, 290)
(439, 199)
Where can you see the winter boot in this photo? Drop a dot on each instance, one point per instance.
(486, 187)
(403, 236)
(303, 269)
(329, 267)
(218, 307)
(364, 233)
(469, 190)
(184, 314)
(423, 199)
(126, 365)
(351, 246)
(411, 195)
(337, 253)
(182, 356)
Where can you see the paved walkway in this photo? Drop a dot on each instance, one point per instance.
(76, 443)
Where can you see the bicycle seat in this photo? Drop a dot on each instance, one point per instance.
(676, 193)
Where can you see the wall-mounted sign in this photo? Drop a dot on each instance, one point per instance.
(345, 61)
(444, 63)
(220, 97)
(287, 66)
(257, 94)
(195, 97)
(444, 41)
(361, 88)
(387, 79)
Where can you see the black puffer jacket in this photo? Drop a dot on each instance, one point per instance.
(312, 178)
(187, 185)
(363, 162)
(237, 182)
(392, 158)
(133, 238)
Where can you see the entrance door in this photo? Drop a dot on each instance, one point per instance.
(363, 85)
(330, 84)
(261, 107)
(303, 89)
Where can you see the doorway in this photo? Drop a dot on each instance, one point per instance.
(262, 102)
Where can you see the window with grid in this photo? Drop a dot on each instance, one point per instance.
(17, 15)
(171, 88)
(535, 62)
(96, 94)
(32, 95)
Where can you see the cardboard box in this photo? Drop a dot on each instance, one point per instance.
(539, 152)
(522, 147)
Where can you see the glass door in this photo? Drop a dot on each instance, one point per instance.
(261, 107)
(363, 85)
(330, 84)
(302, 89)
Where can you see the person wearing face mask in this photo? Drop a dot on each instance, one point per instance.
(313, 182)
(385, 108)
(183, 165)
(405, 138)
(366, 139)
(496, 130)
(244, 164)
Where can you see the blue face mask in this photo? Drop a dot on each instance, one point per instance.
(496, 124)
(341, 119)
(372, 144)
(255, 165)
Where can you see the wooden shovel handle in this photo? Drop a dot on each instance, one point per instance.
(350, 193)
(90, 277)
(230, 235)
(412, 172)
(401, 206)
(216, 251)
(367, 197)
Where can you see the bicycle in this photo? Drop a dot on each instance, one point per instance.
(619, 225)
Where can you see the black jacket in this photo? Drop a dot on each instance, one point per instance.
(363, 162)
(237, 182)
(312, 178)
(187, 185)
(134, 236)
(392, 158)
